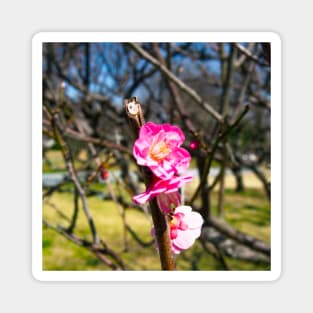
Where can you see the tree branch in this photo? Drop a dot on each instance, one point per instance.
(161, 227)
(188, 90)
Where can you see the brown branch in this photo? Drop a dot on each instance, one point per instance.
(228, 80)
(243, 57)
(136, 237)
(66, 152)
(250, 55)
(209, 160)
(212, 249)
(244, 88)
(83, 137)
(161, 227)
(176, 96)
(240, 237)
(98, 141)
(71, 227)
(225, 102)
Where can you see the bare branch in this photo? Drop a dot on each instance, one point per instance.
(188, 90)
(250, 55)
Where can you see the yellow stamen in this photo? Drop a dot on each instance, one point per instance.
(159, 151)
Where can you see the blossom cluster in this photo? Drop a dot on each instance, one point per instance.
(159, 148)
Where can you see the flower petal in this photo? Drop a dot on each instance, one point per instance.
(175, 134)
(186, 209)
(194, 220)
(180, 159)
(175, 249)
(158, 147)
(184, 239)
(142, 198)
(159, 186)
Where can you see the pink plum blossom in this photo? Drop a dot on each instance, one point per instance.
(185, 228)
(159, 186)
(159, 148)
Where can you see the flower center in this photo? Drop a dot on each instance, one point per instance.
(159, 151)
(173, 228)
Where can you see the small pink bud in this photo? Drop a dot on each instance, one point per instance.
(104, 173)
(194, 144)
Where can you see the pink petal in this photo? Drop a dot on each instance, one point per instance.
(142, 198)
(140, 152)
(175, 134)
(184, 240)
(185, 209)
(177, 181)
(173, 233)
(180, 159)
(159, 186)
(194, 233)
(157, 189)
(194, 220)
(159, 171)
(155, 135)
(175, 250)
(149, 129)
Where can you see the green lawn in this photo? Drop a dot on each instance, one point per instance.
(248, 211)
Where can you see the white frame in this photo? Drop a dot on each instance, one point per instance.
(276, 230)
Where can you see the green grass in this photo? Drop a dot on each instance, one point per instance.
(248, 211)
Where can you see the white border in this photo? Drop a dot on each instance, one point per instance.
(276, 230)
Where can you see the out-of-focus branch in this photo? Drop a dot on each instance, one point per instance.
(89, 139)
(267, 51)
(243, 57)
(209, 160)
(228, 80)
(212, 249)
(188, 90)
(244, 88)
(225, 103)
(98, 251)
(240, 237)
(66, 152)
(250, 55)
(72, 225)
(254, 168)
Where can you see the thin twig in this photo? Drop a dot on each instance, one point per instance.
(209, 160)
(188, 90)
(66, 152)
(250, 55)
(99, 252)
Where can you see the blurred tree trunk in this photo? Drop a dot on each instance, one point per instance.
(221, 191)
(205, 191)
(236, 170)
(227, 75)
